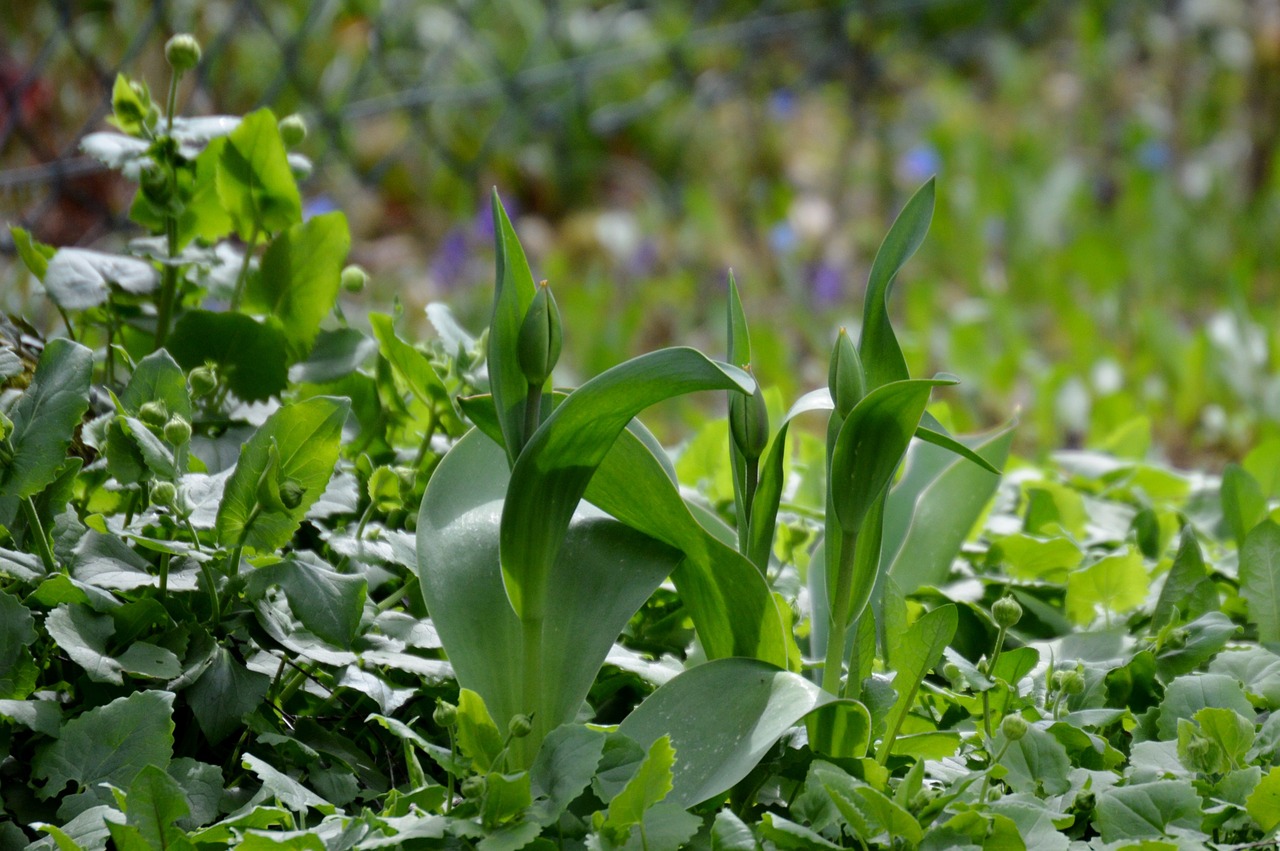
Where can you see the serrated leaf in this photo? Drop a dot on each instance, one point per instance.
(1037, 763)
(920, 650)
(1187, 589)
(328, 603)
(254, 181)
(563, 768)
(651, 784)
(478, 735)
(155, 803)
(289, 792)
(1263, 804)
(45, 418)
(1147, 810)
(412, 366)
(1260, 578)
(1115, 583)
(83, 634)
(17, 632)
(157, 378)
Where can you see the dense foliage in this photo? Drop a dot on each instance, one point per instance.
(270, 580)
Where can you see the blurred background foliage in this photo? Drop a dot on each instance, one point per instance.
(1104, 259)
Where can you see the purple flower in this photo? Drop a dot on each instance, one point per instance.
(450, 262)
(644, 259)
(919, 163)
(782, 104)
(826, 284)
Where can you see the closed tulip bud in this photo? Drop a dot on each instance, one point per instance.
(293, 129)
(749, 422)
(845, 378)
(177, 431)
(1014, 727)
(520, 726)
(183, 52)
(164, 494)
(203, 380)
(291, 493)
(1006, 612)
(154, 413)
(538, 346)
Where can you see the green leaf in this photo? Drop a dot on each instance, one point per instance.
(1187, 695)
(1147, 810)
(412, 366)
(17, 632)
(45, 417)
(251, 356)
(1260, 578)
(554, 469)
(35, 254)
(563, 769)
(254, 181)
(224, 695)
(478, 735)
(789, 835)
(336, 354)
(109, 744)
(289, 792)
(1256, 667)
(513, 293)
(306, 435)
(920, 650)
(1037, 763)
(1263, 805)
(652, 783)
(83, 635)
(730, 833)
(157, 378)
(1244, 505)
(881, 355)
(1116, 583)
(1187, 589)
(155, 802)
(328, 603)
(722, 718)
(78, 278)
(297, 284)
(43, 716)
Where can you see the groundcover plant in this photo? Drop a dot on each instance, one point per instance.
(268, 580)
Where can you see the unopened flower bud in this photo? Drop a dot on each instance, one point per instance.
(446, 714)
(177, 430)
(1014, 727)
(749, 422)
(293, 129)
(1007, 611)
(154, 413)
(520, 726)
(845, 378)
(203, 380)
(538, 345)
(354, 279)
(164, 494)
(474, 786)
(1073, 682)
(183, 52)
(291, 493)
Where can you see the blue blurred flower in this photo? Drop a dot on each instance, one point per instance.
(1154, 155)
(644, 260)
(450, 263)
(782, 104)
(318, 205)
(783, 238)
(919, 163)
(826, 284)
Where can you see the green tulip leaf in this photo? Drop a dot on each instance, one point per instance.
(513, 293)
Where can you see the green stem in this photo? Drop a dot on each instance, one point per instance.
(531, 684)
(425, 446)
(238, 294)
(169, 288)
(36, 532)
(532, 412)
(215, 602)
(164, 575)
(398, 595)
(838, 621)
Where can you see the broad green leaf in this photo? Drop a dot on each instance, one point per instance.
(1229, 730)
(35, 254)
(1262, 462)
(1260, 578)
(1256, 667)
(788, 835)
(935, 505)
(1035, 558)
(507, 796)
(652, 783)
(155, 803)
(1147, 810)
(563, 769)
(603, 574)
(328, 603)
(881, 355)
(336, 354)
(1205, 638)
(1187, 589)
(730, 833)
(224, 694)
(555, 467)
(920, 650)
(1037, 763)
(1187, 695)
(45, 418)
(512, 295)
(17, 632)
(1115, 584)
(297, 283)
(254, 182)
(250, 355)
(306, 437)
(158, 378)
(723, 717)
(43, 716)
(109, 744)
(83, 635)
(1263, 804)
(478, 736)
(1244, 504)
(289, 792)
(413, 366)
(78, 278)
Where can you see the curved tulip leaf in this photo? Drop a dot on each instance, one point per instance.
(554, 468)
(602, 575)
(881, 355)
(722, 717)
(513, 293)
(739, 355)
(724, 594)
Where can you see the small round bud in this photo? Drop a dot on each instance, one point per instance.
(1014, 727)
(164, 494)
(300, 167)
(1007, 611)
(952, 672)
(538, 345)
(354, 279)
(203, 380)
(1073, 682)
(984, 667)
(446, 714)
(291, 493)
(154, 413)
(520, 726)
(1177, 639)
(1084, 801)
(749, 422)
(183, 52)
(293, 129)
(177, 431)
(474, 786)
(845, 377)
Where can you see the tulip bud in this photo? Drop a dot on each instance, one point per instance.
(177, 431)
(183, 52)
(845, 378)
(749, 422)
(538, 346)
(1014, 727)
(1006, 612)
(164, 494)
(293, 129)
(154, 413)
(520, 726)
(203, 380)
(354, 279)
